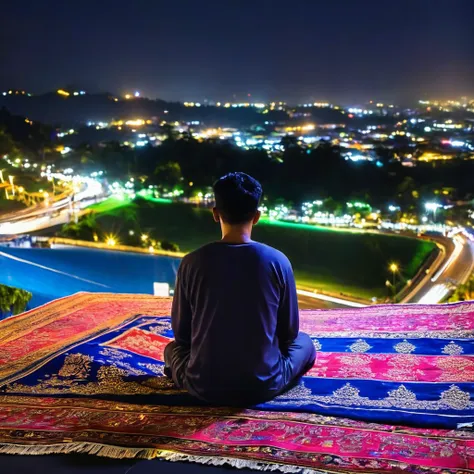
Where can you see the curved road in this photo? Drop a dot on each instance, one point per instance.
(455, 268)
(452, 267)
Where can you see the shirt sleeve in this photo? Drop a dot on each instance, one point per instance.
(288, 314)
(181, 314)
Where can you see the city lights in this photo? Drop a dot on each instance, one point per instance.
(135, 123)
(432, 206)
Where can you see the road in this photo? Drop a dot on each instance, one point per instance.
(452, 267)
(455, 268)
(58, 212)
(307, 302)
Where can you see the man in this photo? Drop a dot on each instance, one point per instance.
(235, 310)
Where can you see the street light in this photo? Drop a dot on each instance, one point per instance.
(388, 285)
(111, 240)
(433, 206)
(394, 269)
(10, 178)
(51, 179)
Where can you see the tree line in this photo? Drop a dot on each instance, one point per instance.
(298, 173)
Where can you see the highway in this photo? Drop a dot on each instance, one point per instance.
(455, 268)
(57, 211)
(306, 302)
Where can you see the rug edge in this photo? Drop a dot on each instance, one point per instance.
(121, 452)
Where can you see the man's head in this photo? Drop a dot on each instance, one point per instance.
(237, 199)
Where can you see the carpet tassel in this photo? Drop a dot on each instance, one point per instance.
(118, 452)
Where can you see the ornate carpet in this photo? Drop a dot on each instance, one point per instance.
(391, 391)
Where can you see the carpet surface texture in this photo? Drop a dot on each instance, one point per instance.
(392, 390)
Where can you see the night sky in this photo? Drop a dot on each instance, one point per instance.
(294, 50)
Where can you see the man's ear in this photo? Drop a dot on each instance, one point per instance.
(256, 217)
(215, 214)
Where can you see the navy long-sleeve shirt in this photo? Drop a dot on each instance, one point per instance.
(235, 306)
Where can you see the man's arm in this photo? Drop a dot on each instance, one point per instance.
(181, 312)
(288, 314)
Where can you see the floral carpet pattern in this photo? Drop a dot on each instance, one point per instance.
(392, 390)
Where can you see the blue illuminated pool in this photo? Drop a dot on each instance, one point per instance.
(53, 273)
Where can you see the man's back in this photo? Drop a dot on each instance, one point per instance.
(235, 312)
(235, 306)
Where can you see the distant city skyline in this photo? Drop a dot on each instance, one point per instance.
(339, 51)
(247, 100)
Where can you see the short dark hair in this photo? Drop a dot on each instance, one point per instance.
(237, 197)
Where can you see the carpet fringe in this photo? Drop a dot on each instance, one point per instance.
(242, 464)
(119, 452)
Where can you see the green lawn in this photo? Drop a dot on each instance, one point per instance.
(110, 204)
(345, 262)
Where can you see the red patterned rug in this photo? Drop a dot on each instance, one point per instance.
(84, 375)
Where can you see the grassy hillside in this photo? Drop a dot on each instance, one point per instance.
(351, 263)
